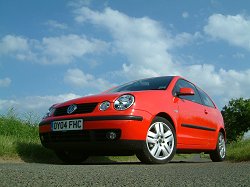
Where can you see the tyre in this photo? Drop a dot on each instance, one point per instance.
(219, 154)
(160, 144)
(70, 157)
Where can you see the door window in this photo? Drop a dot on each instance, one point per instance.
(185, 84)
(206, 100)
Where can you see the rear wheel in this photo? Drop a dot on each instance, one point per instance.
(219, 154)
(70, 157)
(160, 144)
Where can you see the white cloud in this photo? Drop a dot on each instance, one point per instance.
(55, 24)
(184, 38)
(64, 49)
(13, 44)
(5, 82)
(77, 78)
(147, 46)
(185, 14)
(51, 50)
(142, 40)
(7, 104)
(220, 82)
(38, 104)
(233, 29)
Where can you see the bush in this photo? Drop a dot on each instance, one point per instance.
(237, 118)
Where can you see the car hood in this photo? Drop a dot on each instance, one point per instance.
(140, 96)
(92, 99)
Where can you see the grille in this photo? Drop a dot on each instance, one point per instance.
(81, 109)
(79, 136)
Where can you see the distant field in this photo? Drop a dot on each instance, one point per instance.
(20, 140)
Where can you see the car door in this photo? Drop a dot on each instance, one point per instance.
(191, 122)
(211, 114)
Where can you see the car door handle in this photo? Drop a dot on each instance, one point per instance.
(205, 111)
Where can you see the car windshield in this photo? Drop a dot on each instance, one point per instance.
(157, 83)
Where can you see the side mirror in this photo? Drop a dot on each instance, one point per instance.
(185, 91)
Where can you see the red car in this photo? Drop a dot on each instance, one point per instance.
(153, 118)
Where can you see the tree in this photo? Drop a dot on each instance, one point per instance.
(236, 118)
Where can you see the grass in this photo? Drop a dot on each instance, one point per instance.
(239, 151)
(19, 140)
(12, 132)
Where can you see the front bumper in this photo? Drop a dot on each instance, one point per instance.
(102, 148)
(130, 134)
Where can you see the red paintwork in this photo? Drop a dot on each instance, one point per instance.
(149, 104)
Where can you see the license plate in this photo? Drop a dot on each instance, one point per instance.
(66, 125)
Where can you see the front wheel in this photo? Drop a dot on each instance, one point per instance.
(70, 157)
(219, 154)
(160, 144)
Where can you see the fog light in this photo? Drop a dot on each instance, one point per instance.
(111, 135)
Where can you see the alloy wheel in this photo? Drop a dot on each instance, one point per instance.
(222, 146)
(160, 140)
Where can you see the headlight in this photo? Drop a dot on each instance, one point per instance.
(124, 102)
(104, 105)
(50, 112)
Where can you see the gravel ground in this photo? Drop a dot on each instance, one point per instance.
(177, 173)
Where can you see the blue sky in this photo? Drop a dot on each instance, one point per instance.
(52, 51)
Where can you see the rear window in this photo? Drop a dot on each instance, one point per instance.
(156, 83)
(206, 100)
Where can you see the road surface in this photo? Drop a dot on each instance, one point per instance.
(177, 173)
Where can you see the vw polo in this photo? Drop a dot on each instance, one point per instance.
(152, 118)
